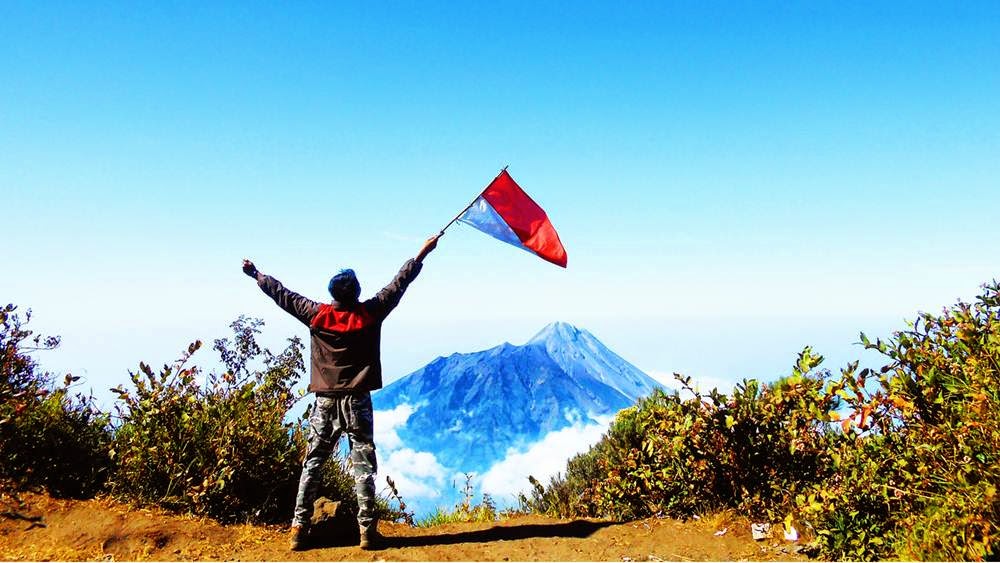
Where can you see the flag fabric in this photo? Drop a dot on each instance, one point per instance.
(505, 212)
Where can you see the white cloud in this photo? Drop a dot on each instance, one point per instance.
(386, 423)
(418, 464)
(416, 474)
(572, 416)
(542, 460)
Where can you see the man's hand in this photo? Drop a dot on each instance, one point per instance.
(249, 269)
(429, 245)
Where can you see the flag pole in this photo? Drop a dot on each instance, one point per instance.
(471, 203)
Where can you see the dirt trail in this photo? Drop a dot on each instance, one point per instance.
(102, 529)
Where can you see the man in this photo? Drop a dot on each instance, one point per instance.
(346, 367)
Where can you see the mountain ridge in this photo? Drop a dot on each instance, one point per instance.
(470, 409)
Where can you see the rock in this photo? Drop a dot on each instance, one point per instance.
(324, 509)
(333, 524)
(760, 531)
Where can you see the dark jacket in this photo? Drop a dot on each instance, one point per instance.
(345, 340)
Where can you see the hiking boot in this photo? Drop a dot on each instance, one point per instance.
(372, 539)
(299, 538)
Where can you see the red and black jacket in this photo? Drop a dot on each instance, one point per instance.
(345, 340)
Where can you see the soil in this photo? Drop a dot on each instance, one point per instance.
(40, 528)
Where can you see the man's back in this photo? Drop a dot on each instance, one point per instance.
(345, 344)
(345, 340)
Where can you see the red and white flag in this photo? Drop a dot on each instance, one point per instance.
(505, 212)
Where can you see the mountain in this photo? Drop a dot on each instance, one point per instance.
(469, 409)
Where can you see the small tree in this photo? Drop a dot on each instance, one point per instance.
(216, 445)
(49, 436)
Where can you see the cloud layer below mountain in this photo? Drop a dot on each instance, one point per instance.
(543, 460)
(425, 484)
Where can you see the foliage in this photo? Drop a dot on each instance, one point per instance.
(570, 494)
(682, 457)
(49, 436)
(385, 510)
(219, 448)
(216, 445)
(923, 463)
(898, 462)
(465, 510)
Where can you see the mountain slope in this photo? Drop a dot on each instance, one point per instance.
(471, 408)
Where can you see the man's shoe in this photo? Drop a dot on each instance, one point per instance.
(299, 538)
(372, 539)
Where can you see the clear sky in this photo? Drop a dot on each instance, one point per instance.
(732, 180)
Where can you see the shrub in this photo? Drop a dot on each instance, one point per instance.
(49, 436)
(666, 455)
(921, 469)
(216, 444)
(572, 494)
(911, 471)
(219, 448)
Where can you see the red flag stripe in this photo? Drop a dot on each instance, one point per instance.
(526, 218)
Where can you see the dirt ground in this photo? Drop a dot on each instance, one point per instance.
(40, 528)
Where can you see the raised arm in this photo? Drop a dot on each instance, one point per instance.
(429, 245)
(301, 308)
(387, 299)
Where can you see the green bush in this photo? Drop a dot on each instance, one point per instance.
(214, 444)
(852, 514)
(568, 495)
(753, 452)
(218, 447)
(899, 462)
(920, 470)
(49, 437)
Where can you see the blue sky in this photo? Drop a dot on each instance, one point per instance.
(732, 181)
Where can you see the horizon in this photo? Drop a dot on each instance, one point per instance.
(206, 358)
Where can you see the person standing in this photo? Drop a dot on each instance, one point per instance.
(345, 344)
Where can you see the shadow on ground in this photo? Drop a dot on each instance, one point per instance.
(347, 536)
(575, 529)
(334, 525)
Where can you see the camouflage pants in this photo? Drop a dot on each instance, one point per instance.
(331, 417)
